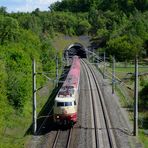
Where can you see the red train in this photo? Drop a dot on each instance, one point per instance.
(66, 101)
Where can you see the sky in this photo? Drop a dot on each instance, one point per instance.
(26, 5)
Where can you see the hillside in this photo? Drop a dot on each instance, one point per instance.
(117, 27)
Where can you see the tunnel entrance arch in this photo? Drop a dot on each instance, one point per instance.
(75, 49)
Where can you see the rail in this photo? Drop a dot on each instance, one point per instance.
(68, 138)
(111, 140)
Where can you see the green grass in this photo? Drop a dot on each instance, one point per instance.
(122, 97)
(143, 125)
(13, 133)
(124, 101)
(143, 115)
(121, 72)
(60, 42)
(143, 138)
(14, 130)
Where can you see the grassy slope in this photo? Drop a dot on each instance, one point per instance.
(121, 73)
(60, 42)
(15, 129)
(17, 125)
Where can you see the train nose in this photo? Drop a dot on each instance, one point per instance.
(64, 111)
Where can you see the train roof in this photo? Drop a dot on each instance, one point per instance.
(66, 91)
(74, 73)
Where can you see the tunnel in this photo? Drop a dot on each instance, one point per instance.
(75, 49)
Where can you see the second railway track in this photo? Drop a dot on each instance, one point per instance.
(104, 138)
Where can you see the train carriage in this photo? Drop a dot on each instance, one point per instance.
(66, 101)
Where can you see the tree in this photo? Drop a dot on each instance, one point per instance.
(3, 10)
(72, 5)
(19, 80)
(30, 22)
(83, 27)
(93, 17)
(141, 4)
(64, 22)
(9, 29)
(120, 48)
(36, 12)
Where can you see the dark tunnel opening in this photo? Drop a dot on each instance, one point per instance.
(75, 49)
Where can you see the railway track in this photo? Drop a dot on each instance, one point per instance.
(108, 135)
(62, 139)
(93, 128)
(93, 108)
(88, 131)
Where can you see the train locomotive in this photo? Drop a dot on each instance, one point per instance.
(66, 101)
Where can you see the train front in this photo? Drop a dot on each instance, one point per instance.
(65, 108)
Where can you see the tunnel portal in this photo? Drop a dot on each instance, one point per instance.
(75, 49)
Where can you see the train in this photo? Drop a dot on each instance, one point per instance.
(66, 101)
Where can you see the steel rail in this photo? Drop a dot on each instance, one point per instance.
(93, 108)
(106, 119)
(69, 138)
(56, 139)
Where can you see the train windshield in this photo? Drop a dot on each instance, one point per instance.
(68, 103)
(60, 103)
(64, 104)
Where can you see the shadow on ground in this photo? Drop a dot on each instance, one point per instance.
(45, 119)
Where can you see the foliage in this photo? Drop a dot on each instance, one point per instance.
(83, 27)
(72, 5)
(19, 44)
(8, 29)
(85, 5)
(4, 111)
(48, 58)
(117, 27)
(30, 22)
(108, 20)
(19, 76)
(123, 48)
(144, 97)
(3, 10)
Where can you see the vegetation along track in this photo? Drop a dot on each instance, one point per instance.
(62, 138)
(107, 137)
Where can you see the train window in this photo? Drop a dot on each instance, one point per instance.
(75, 103)
(60, 103)
(68, 103)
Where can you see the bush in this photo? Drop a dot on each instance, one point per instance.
(19, 76)
(143, 101)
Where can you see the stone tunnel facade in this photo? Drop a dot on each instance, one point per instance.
(75, 49)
